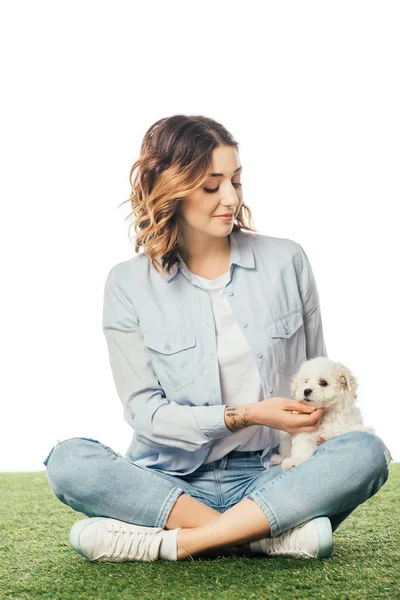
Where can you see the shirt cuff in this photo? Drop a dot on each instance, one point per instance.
(211, 421)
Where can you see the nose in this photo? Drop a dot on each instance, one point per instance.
(307, 392)
(231, 207)
(232, 202)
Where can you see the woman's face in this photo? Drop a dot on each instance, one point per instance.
(221, 193)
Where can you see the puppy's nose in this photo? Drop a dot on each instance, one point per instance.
(307, 392)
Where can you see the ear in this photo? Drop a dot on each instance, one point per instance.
(347, 380)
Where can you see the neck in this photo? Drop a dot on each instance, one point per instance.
(200, 252)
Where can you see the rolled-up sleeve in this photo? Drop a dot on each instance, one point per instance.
(156, 420)
(315, 342)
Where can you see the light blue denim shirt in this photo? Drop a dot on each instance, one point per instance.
(162, 344)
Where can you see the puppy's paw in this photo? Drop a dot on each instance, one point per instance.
(290, 462)
(276, 459)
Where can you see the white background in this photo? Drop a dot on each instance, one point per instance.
(311, 92)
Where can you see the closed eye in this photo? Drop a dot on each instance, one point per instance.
(213, 190)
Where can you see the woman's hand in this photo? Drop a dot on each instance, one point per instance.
(277, 413)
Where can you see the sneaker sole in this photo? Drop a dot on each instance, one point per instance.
(325, 537)
(74, 535)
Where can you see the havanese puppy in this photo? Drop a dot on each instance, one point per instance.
(328, 384)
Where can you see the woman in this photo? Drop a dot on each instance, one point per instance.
(204, 330)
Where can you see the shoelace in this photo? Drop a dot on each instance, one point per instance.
(121, 547)
(282, 543)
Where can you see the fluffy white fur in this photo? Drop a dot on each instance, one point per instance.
(338, 399)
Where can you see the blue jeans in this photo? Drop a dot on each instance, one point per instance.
(343, 472)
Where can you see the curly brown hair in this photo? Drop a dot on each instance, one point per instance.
(175, 157)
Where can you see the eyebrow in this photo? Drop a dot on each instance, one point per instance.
(221, 174)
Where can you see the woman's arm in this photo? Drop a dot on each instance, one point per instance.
(155, 419)
(239, 417)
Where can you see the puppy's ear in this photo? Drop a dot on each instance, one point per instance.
(347, 380)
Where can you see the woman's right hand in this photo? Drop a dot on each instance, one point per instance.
(276, 412)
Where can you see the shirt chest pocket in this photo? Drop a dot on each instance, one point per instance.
(287, 341)
(173, 356)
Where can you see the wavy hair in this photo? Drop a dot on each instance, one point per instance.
(175, 158)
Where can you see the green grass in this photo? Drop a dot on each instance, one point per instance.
(36, 560)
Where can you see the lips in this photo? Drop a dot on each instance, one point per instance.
(226, 215)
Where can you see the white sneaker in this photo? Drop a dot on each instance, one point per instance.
(109, 540)
(312, 539)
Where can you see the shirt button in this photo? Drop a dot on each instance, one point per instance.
(230, 293)
(270, 390)
(259, 355)
(167, 347)
(244, 324)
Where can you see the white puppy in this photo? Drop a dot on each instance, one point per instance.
(328, 384)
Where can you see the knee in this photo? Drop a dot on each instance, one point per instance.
(62, 462)
(370, 450)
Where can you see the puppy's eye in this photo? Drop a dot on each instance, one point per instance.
(323, 382)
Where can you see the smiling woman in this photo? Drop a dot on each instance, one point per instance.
(196, 355)
(187, 178)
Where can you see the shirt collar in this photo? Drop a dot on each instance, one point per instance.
(242, 253)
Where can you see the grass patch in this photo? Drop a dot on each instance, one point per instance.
(36, 560)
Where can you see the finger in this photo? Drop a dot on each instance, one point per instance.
(311, 418)
(318, 414)
(304, 407)
(309, 423)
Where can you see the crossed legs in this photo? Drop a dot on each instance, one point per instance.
(203, 528)
(358, 466)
